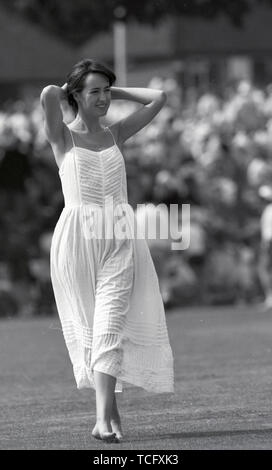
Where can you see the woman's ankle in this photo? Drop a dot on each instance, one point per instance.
(103, 422)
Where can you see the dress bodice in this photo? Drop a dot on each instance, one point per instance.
(90, 177)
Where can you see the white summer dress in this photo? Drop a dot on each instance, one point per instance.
(104, 281)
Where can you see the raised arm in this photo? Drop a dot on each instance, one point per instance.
(153, 101)
(50, 98)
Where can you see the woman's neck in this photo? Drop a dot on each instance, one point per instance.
(88, 124)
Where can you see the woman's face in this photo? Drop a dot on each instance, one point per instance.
(95, 97)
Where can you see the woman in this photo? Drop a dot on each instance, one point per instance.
(106, 288)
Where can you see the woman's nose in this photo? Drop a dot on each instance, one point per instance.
(102, 97)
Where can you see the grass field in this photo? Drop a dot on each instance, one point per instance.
(223, 376)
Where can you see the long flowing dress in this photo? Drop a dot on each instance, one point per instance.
(104, 281)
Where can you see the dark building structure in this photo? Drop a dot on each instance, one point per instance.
(202, 53)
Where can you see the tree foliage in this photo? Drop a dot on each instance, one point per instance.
(78, 20)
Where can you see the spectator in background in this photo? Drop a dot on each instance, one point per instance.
(15, 168)
(265, 255)
(8, 304)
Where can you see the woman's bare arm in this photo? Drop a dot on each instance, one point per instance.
(50, 98)
(153, 101)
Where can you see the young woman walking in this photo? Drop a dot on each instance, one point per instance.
(105, 285)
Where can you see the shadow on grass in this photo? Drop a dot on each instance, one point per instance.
(223, 433)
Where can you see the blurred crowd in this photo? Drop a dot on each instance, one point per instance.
(212, 152)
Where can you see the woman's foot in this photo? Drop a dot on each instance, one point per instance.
(102, 432)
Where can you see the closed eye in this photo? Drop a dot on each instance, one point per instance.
(96, 91)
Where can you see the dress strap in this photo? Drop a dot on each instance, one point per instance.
(112, 135)
(71, 136)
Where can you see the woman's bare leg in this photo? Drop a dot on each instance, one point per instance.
(104, 388)
(116, 420)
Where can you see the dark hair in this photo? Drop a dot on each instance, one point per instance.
(76, 78)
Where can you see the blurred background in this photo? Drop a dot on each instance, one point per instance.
(210, 146)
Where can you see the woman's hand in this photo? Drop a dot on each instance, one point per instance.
(64, 92)
(64, 87)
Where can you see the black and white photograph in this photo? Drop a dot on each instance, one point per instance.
(135, 227)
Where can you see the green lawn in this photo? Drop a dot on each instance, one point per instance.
(223, 372)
